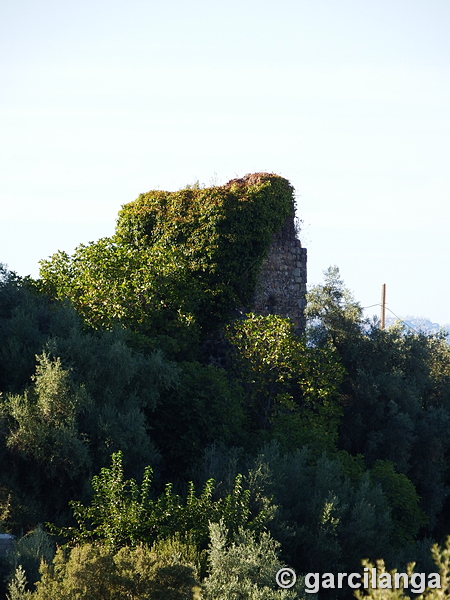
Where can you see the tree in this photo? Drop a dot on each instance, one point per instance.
(29, 551)
(43, 420)
(147, 288)
(331, 309)
(395, 392)
(291, 388)
(123, 513)
(244, 569)
(404, 502)
(327, 517)
(95, 572)
(17, 588)
(205, 406)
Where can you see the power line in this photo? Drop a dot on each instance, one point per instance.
(404, 322)
(399, 318)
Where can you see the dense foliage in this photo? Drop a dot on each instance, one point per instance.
(129, 365)
(180, 262)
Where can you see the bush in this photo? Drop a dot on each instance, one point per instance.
(244, 569)
(90, 572)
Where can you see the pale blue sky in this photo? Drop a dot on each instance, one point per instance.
(348, 99)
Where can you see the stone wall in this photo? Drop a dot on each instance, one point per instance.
(281, 286)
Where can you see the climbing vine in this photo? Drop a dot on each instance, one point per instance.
(185, 258)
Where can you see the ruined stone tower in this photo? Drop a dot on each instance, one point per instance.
(281, 286)
(237, 246)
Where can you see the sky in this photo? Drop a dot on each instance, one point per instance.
(349, 100)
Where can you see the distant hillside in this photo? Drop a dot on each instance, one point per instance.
(422, 324)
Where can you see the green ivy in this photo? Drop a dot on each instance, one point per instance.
(179, 260)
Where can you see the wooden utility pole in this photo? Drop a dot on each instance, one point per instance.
(383, 307)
